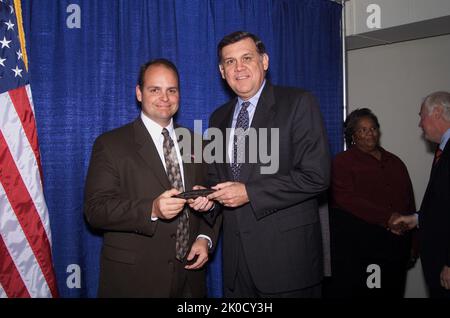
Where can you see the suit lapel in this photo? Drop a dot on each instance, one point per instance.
(261, 119)
(264, 110)
(148, 152)
(223, 125)
(189, 175)
(435, 166)
(435, 173)
(188, 168)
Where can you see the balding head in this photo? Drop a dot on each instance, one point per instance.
(435, 115)
(438, 99)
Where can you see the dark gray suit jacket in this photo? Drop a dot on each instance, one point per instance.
(279, 229)
(125, 176)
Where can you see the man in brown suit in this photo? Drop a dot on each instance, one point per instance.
(130, 197)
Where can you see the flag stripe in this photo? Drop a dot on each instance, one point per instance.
(2, 291)
(22, 104)
(23, 156)
(11, 284)
(27, 215)
(19, 248)
(26, 268)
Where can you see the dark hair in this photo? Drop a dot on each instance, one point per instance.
(236, 37)
(352, 121)
(160, 61)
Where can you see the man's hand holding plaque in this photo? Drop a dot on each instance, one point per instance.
(197, 198)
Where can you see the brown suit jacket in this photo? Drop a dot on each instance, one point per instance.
(138, 256)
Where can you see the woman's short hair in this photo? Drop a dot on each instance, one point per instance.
(352, 121)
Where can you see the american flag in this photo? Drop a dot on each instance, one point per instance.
(26, 268)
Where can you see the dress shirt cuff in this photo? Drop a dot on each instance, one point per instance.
(154, 218)
(206, 238)
(416, 215)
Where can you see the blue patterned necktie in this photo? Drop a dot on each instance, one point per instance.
(174, 175)
(238, 141)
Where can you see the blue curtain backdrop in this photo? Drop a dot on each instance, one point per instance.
(83, 82)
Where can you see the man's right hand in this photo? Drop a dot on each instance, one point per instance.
(405, 222)
(398, 228)
(166, 207)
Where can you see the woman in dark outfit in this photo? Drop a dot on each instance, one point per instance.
(370, 187)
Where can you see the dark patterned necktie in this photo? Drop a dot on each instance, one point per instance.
(174, 175)
(238, 141)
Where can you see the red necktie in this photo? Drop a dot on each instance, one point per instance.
(437, 155)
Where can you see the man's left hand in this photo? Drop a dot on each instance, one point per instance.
(200, 204)
(230, 194)
(445, 277)
(199, 248)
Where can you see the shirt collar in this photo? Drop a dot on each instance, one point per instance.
(253, 100)
(154, 128)
(444, 139)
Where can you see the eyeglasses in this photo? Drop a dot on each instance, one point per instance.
(365, 130)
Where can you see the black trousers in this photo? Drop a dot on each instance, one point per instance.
(244, 286)
(439, 292)
(367, 260)
(180, 284)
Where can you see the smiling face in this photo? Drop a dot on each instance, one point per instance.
(159, 95)
(366, 135)
(243, 67)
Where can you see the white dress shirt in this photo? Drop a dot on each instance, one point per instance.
(251, 112)
(155, 131)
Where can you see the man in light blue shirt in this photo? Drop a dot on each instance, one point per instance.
(272, 243)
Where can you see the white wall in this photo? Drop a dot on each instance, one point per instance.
(392, 80)
(392, 13)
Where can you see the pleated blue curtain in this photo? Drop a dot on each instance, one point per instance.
(83, 83)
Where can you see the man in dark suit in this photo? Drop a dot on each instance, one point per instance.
(433, 218)
(130, 197)
(271, 229)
